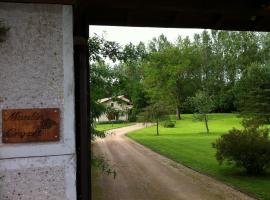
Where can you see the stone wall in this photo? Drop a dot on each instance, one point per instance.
(36, 71)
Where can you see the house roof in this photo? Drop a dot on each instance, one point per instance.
(122, 97)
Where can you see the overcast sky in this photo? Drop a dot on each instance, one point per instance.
(125, 35)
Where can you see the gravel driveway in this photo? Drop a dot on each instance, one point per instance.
(145, 175)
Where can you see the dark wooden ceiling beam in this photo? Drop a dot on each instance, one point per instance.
(63, 2)
(210, 6)
(178, 20)
(223, 14)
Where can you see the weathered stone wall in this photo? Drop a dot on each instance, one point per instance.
(36, 71)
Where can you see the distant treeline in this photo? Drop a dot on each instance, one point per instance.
(232, 68)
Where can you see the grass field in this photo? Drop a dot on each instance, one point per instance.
(189, 144)
(106, 127)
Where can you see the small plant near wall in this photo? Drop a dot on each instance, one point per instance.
(3, 31)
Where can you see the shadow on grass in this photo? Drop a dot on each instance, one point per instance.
(235, 172)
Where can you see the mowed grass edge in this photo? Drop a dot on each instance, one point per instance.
(189, 144)
(106, 127)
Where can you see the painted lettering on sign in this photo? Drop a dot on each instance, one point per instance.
(30, 125)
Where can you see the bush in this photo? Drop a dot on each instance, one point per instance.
(248, 148)
(169, 124)
(132, 118)
(112, 122)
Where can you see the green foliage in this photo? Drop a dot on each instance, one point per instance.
(111, 113)
(170, 72)
(248, 148)
(253, 93)
(159, 44)
(203, 104)
(133, 116)
(114, 122)
(155, 112)
(103, 81)
(224, 56)
(214, 62)
(101, 163)
(99, 49)
(168, 124)
(131, 76)
(198, 117)
(108, 81)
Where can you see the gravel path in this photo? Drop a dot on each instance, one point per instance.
(145, 175)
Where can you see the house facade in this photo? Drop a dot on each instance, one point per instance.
(117, 108)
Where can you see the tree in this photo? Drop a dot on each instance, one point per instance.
(170, 73)
(214, 62)
(100, 49)
(103, 81)
(131, 77)
(155, 112)
(159, 44)
(253, 94)
(224, 55)
(203, 104)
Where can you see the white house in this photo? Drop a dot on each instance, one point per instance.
(120, 106)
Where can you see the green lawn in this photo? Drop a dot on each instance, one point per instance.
(106, 127)
(189, 144)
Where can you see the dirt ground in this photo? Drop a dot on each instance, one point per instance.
(145, 175)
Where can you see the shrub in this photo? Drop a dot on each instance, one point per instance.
(132, 117)
(112, 122)
(248, 148)
(169, 124)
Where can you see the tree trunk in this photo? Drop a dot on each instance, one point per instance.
(157, 128)
(178, 113)
(206, 122)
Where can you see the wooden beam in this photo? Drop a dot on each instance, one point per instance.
(192, 6)
(62, 2)
(82, 102)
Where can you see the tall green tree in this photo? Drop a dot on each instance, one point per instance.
(225, 55)
(170, 73)
(131, 76)
(253, 94)
(103, 81)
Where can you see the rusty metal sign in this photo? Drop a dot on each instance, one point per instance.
(30, 125)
